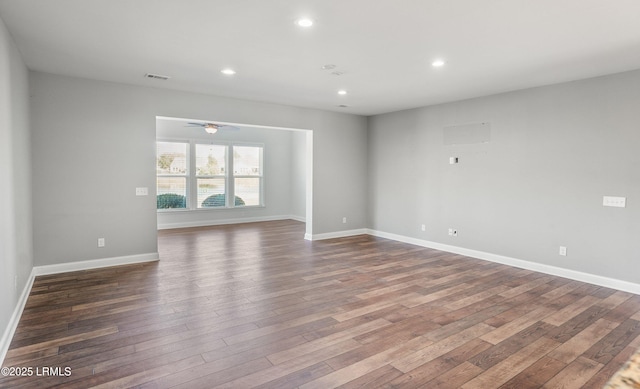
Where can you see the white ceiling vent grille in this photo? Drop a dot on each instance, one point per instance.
(157, 76)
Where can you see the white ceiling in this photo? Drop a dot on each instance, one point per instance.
(383, 47)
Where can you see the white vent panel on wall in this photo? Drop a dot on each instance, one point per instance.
(467, 134)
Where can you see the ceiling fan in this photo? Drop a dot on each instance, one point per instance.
(212, 128)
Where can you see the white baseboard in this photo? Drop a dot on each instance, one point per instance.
(607, 282)
(7, 336)
(297, 218)
(94, 264)
(206, 223)
(336, 234)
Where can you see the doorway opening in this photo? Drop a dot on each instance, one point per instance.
(212, 173)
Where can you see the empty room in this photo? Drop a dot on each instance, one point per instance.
(319, 194)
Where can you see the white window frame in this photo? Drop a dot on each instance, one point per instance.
(186, 176)
(192, 177)
(194, 185)
(233, 176)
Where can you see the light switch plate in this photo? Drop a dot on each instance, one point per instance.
(612, 201)
(142, 191)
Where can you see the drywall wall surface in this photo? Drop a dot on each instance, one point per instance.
(298, 174)
(277, 166)
(16, 257)
(536, 185)
(94, 143)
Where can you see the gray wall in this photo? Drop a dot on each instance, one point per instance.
(278, 167)
(94, 143)
(298, 174)
(16, 258)
(537, 185)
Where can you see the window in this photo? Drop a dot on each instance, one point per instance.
(247, 174)
(211, 162)
(172, 171)
(210, 178)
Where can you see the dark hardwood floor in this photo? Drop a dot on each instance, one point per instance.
(254, 305)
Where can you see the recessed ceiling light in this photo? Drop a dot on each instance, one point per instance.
(328, 66)
(304, 22)
(437, 63)
(228, 72)
(342, 92)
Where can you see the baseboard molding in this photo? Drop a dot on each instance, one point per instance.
(94, 264)
(7, 336)
(297, 218)
(207, 223)
(336, 234)
(613, 283)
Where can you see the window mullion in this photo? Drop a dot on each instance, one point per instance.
(191, 177)
(231, 193)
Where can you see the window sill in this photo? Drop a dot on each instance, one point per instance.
(172, 210)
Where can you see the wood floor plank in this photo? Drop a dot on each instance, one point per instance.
(535, 375)
(614, 342)
(14, 352)
(374, 379)
(455, 377)
(311, 346)
(575, 346)
(575, 375)
(502, 372)
(603, 375)
(433, 351)
(514, 326)
(505, 349)
(571, 310)
(290, 366)
(364, 366)
(421, 375)
(254, 305)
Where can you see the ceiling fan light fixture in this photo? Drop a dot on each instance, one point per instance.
(211, 128)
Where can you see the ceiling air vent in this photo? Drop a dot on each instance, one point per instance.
(157, 76)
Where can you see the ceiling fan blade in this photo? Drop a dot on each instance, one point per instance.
(226, 127)
(195, 125)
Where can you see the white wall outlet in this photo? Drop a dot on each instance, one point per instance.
(144, 191)
(453, 160)
(453, 232)
(612, 201)
(563, 251)
(100, 242)
(423, 227)
(344, 220)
